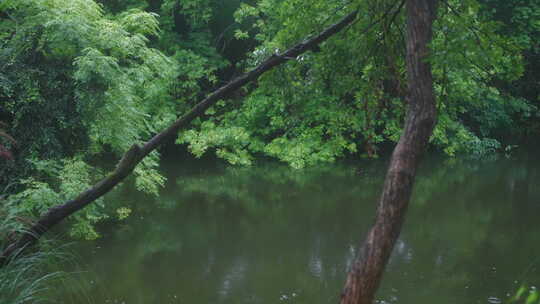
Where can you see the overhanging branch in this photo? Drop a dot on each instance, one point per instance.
(136, 153)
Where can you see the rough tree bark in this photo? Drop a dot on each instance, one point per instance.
(366, 271)
(136, 153)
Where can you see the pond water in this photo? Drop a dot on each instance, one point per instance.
(270, 234)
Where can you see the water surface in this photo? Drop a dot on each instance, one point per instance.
(270, 234)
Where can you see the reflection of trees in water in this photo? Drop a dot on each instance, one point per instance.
(233, 277)
(252, 235)
(464, 232)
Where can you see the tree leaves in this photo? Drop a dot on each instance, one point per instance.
(353, 92)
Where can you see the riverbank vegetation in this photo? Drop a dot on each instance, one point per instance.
(81, 81)
(39, 276)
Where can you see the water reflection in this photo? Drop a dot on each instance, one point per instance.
(270, 234)
(233, 277)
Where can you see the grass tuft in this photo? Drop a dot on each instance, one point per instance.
(36, 276)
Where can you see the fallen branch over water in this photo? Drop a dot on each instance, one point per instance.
(137, 152)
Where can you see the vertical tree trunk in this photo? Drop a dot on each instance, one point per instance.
(366, 272)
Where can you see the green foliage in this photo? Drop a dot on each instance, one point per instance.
(76, 81)
(228, 139)
(5, 152)
(520, 22)
(139, 22)
(105, 81)
(24, 281)
(526, 295)
(69, 178)
(148, 178)
(123, 213)
(34, 277)
(350, 97)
